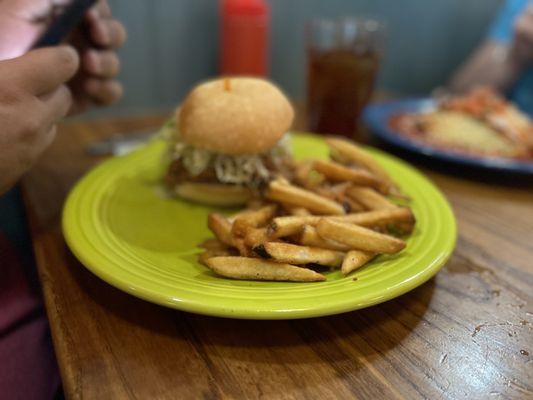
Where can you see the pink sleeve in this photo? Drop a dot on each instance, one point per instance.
(28, 369)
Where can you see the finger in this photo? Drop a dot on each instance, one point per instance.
(117, 32)
(103, 9)
(103, 92)
(100, 10)
(101, 64)
(56, 105)
(41, 71)
(108, 33)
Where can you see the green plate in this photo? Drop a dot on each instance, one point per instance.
(121, 226)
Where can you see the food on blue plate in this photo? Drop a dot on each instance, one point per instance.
(228, 139)
(333, 214)
(480, 122)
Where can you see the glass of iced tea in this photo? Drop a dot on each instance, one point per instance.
(343, 61)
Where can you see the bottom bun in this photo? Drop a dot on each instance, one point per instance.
(214, 194)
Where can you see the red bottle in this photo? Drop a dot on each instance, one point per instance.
(244, 37)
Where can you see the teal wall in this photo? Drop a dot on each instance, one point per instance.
(173, 43)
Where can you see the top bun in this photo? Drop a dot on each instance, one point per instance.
(235, 116)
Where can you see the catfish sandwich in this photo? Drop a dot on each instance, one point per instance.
(228, 140)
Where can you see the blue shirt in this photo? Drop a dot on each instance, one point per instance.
(502, 31)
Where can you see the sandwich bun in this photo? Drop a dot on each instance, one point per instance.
(213, 194)
(235, 116)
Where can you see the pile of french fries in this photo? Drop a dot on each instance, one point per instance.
(332, 214)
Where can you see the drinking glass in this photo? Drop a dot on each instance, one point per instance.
(343, 58)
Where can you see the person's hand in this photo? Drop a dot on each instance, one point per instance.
(522, 46)
(33, 97)
(96, 84)
(23, 21)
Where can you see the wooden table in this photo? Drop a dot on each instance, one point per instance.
(467, 333)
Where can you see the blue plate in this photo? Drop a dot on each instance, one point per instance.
(377, 117)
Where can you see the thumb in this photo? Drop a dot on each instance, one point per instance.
(41, 71)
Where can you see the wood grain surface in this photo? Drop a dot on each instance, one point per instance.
(467, 333)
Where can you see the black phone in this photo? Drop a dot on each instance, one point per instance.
(64, 23)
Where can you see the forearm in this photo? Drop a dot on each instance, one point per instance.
(491, 65)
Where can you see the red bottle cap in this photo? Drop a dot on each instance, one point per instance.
(245, 7)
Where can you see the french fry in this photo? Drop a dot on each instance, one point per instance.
(344, 150)
(261, 216)
(221, 227)
(335, 214)
(337, 193)
(255, 236)
(380, 217)
(294, 254)
(350, 205)
(306, 176)
(240, 227)
(369, 198)
(281, 180)
(297, 211)
(400, 229)
(299, 197)
(329, 191)
(206, 255)
(215, 251)
(303, 177)
(340, 188)
(405, 228)
(259, 269)
(290, 225)
(359, 238)
(310, 237)
(355, 259)
(233, 217)
(212, 244)
(254, 203)
(253, 219)
(339, 173)
(213, 248)
(244, 250)
(325, 192)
